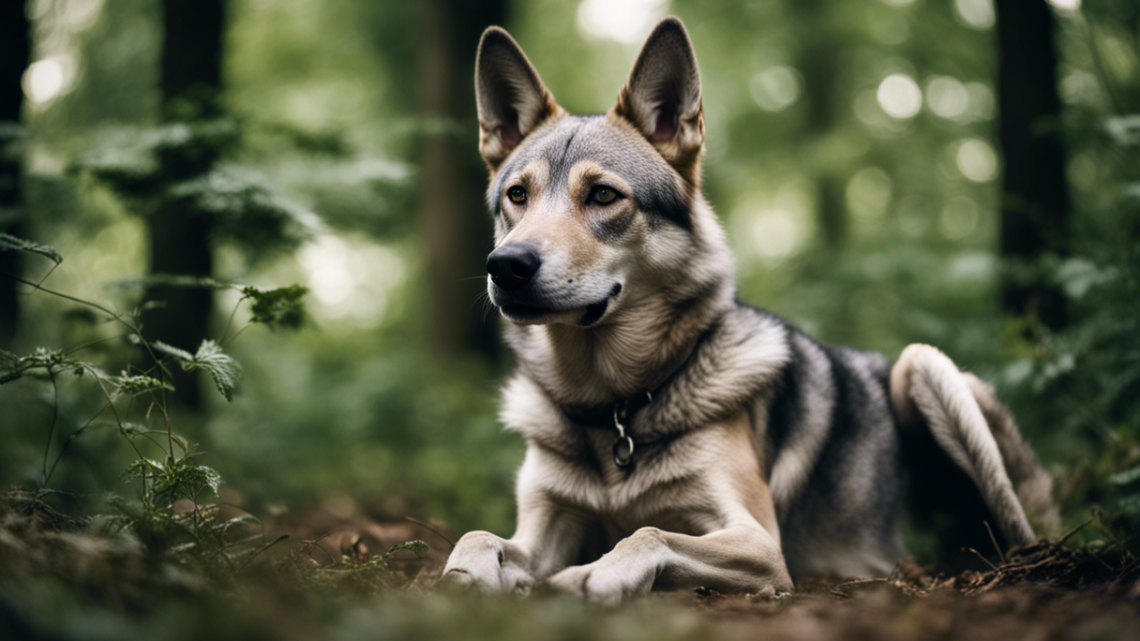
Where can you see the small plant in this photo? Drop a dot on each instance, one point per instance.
(175, 512)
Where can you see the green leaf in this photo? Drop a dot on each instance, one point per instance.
(226, 371)
(1077, 276)
(19, 244)
(144, 468)
(1125, 478)
(281, 307)
(171, 280)
(169, 350)
(135, 385)
(1130, 505)
(13, 366)
(245, 208)
(418, 547)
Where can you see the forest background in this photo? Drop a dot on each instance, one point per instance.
(962, 173)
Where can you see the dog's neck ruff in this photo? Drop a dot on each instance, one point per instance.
(738, 358)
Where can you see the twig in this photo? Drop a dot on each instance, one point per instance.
(115, 315)
(259, 551)
(984, 559)
(1070, 533)
(430, 528)
(993, 539)
(80, 348)
(54, 420)
(74, 435)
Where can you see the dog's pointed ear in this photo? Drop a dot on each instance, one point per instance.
(662, 97)
(511, 98)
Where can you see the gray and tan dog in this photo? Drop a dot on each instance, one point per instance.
(676, 438)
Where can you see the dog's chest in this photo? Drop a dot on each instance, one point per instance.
(666, 486)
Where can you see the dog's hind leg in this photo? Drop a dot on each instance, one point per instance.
(928, 389)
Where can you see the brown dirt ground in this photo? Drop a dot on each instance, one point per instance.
(1045, 591)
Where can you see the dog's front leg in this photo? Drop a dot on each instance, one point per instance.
(546, 539)
(738, 559)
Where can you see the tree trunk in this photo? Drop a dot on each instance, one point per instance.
(1035, 198)
(15, 49)
(454, 224)
(191, 80)
(817, 62)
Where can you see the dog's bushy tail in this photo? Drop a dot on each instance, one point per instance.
(974, 431)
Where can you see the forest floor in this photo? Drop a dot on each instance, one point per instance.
(321, 574)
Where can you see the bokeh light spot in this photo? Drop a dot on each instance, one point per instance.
(623, 21)
(958, 218)
(977, 160)
(978, 14)
(1066, 5)
(775, 88)
(899, 96)
(947, 97)
(43, 81)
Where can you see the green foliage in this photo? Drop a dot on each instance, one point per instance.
(135, 385)
(281, 307)
(8, 242)
(178, 168)
(227, 372)
(171, 280)
(243, 208)
(13, 367)
(419, 548)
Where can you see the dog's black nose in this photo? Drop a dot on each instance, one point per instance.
(512, 266)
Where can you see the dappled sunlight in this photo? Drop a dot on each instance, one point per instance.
(351, 279)
(947, 97)
(978, 14)
(899, 96)
(958, 218)
(772, 229)
(776, 87)
(625, 21)
(46, 79)
(1066, 5)
(977, 160)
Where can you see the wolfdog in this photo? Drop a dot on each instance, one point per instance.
(676, 438)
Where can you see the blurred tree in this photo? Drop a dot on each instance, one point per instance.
(191, 80)
(1035, 199)
(455, 228)
(14, 53)
(817, 62)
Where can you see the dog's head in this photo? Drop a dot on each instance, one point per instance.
(591, 212)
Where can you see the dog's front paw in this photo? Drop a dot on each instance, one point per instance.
(604, 584)
(481, 561)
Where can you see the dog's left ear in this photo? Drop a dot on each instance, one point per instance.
(662, 97)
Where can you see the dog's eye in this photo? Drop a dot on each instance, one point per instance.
(517, 195)
(603, 195)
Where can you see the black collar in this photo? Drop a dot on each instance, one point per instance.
(615, 416)
(604, 416)
(619, 414)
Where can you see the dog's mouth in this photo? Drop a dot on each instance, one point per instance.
(583, 316)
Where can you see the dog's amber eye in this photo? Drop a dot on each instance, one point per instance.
(603, 195)
(517, 195)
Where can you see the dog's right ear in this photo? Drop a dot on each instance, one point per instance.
(511, 98)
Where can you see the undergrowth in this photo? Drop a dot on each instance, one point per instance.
(171, 533)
